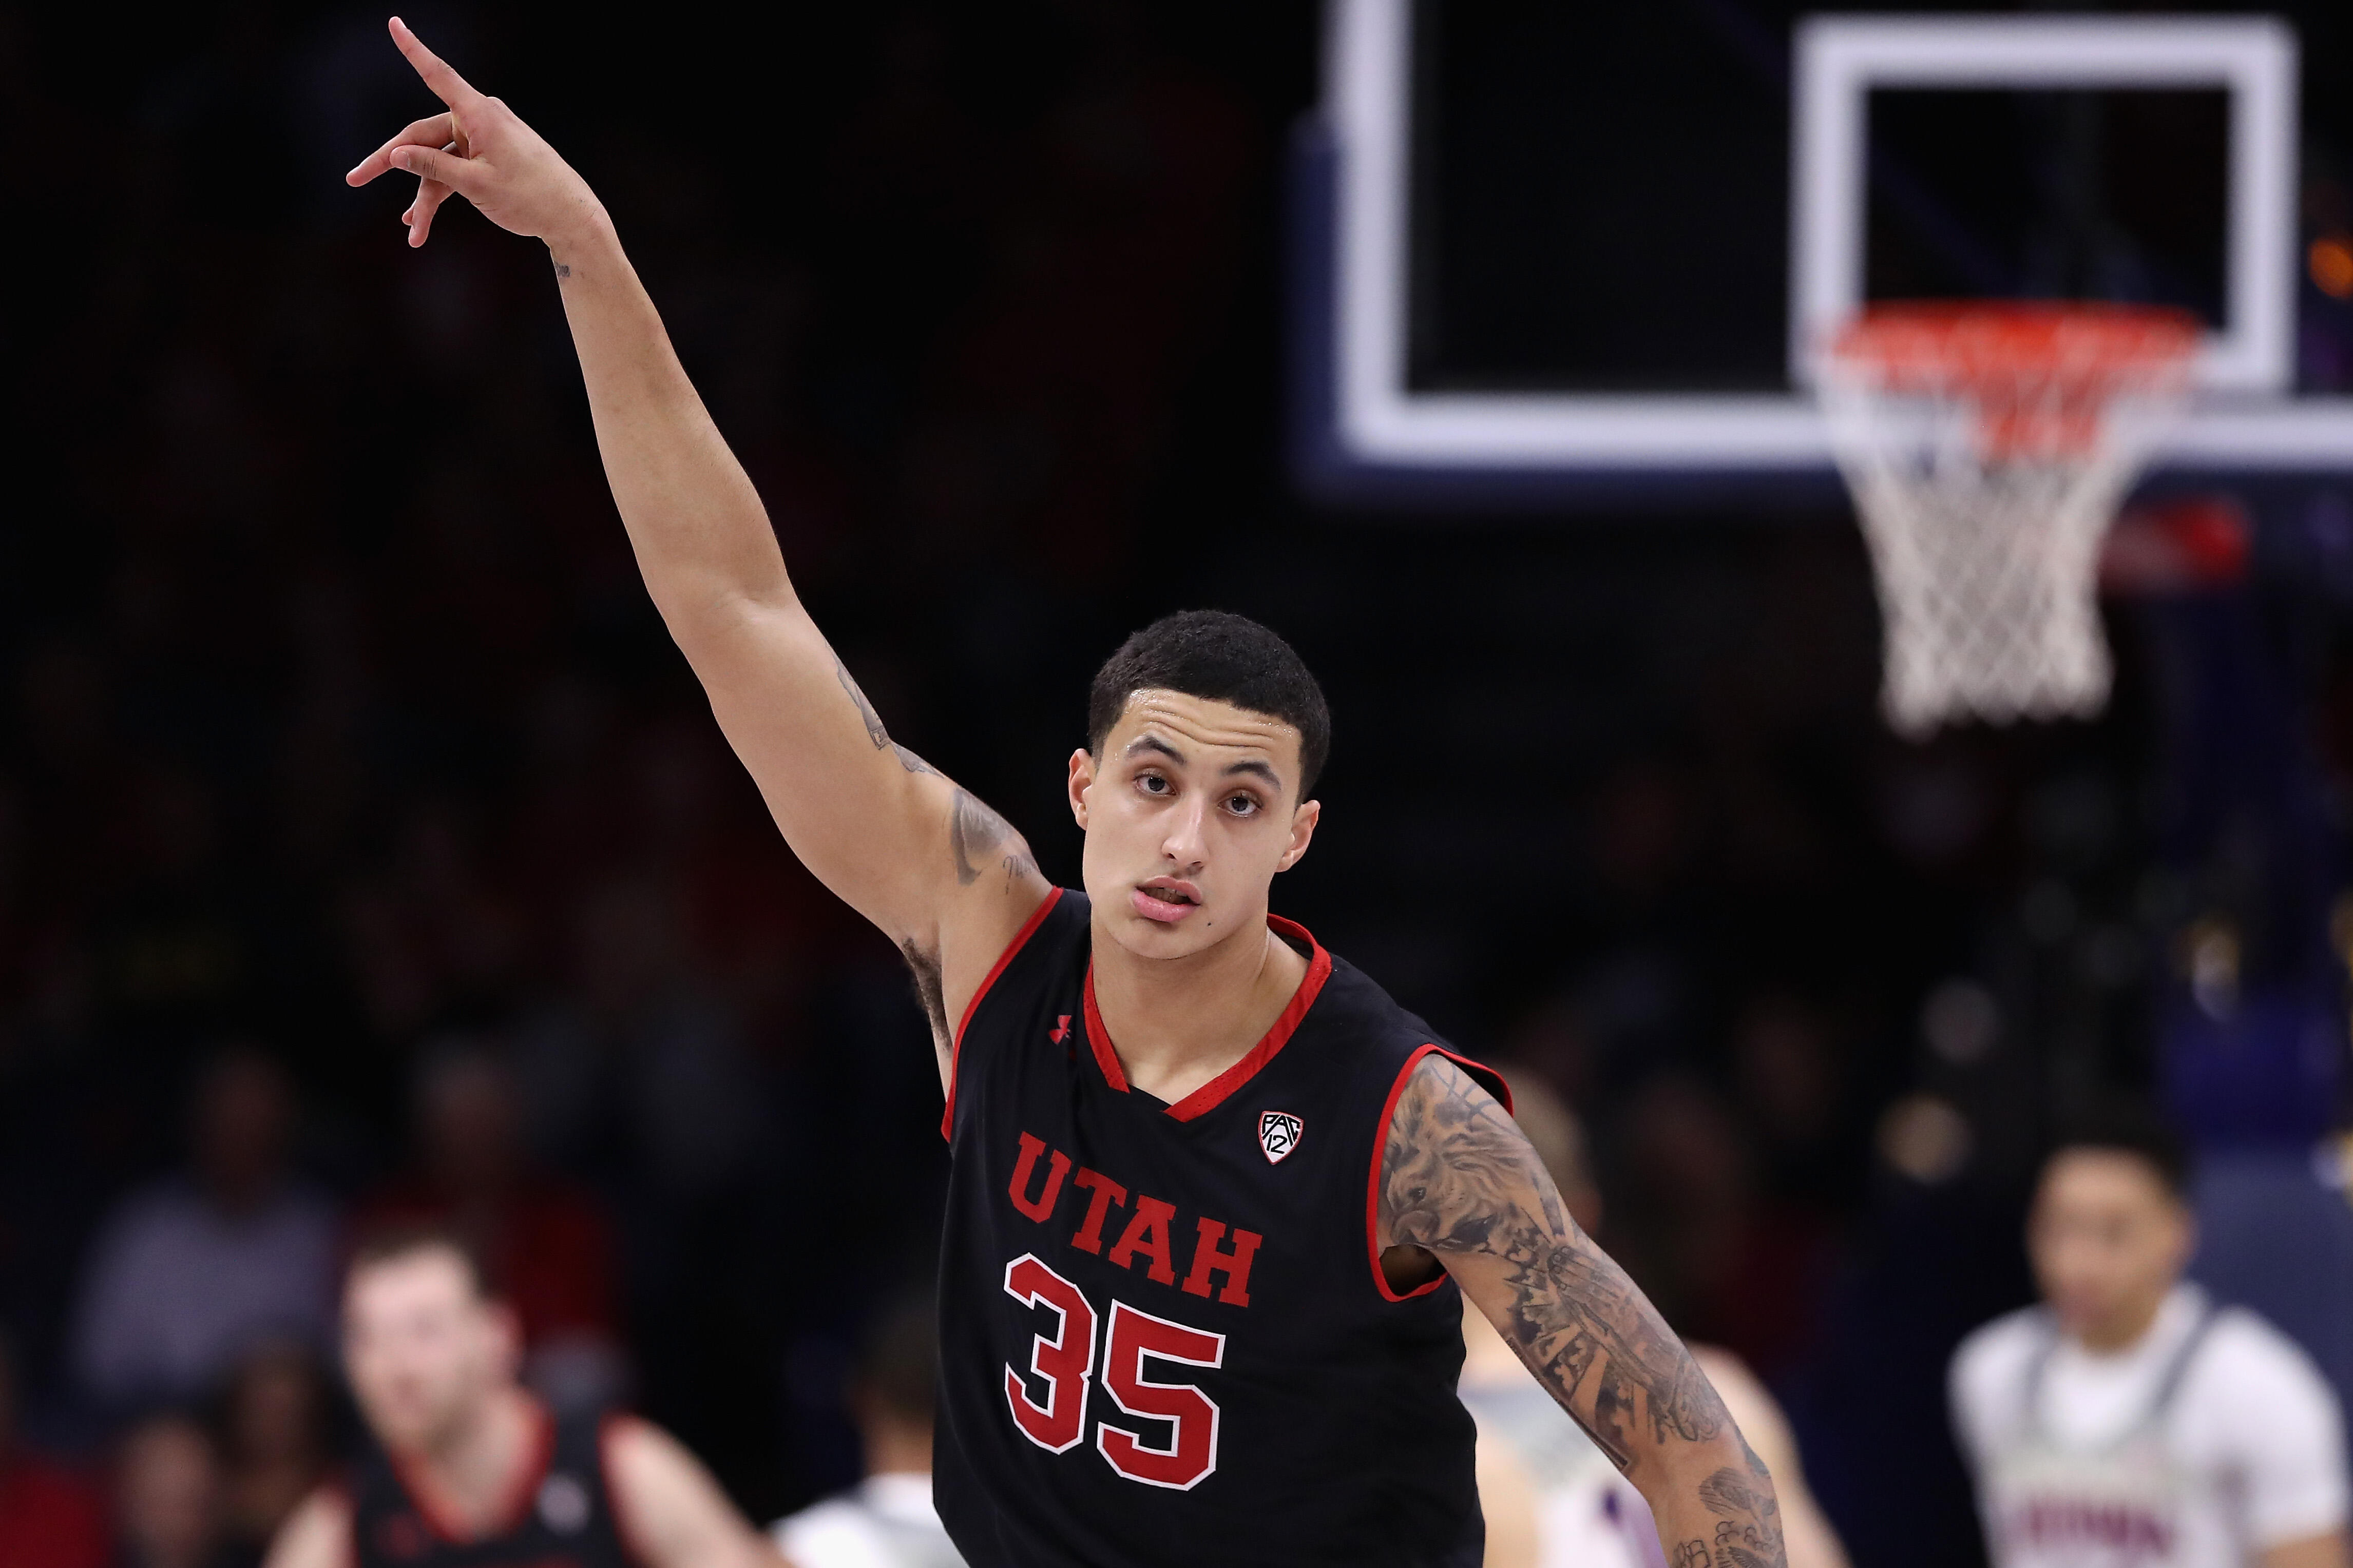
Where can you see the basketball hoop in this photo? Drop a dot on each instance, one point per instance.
(1987, 447)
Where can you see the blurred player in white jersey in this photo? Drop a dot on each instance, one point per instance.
(1586, 1515)
(2128, 1422)
(887, 1520)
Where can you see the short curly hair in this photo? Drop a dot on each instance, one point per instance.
(1224, 657)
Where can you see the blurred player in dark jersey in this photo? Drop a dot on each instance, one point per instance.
(468, 1469)
(1212, 1190)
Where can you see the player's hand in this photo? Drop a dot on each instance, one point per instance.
(482, 151)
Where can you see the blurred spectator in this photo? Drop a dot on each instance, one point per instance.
(274, 1435)
(167, 1496)
(547, 1244)
(1725, 1260)
(1586, 1515)
(189, 1273)
(665, 1045)
(49, 1518)
(887, 1520)
(1791, 1081)
(2127, 1419)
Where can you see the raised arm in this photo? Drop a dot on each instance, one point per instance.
(944, 877)
(1460, 1182)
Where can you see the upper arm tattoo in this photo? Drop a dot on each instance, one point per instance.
(875, 729)
(1457, 1177)
(976, 834)
(873, 722)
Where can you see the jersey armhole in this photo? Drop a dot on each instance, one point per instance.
(1488, 1079)
(1012, 949)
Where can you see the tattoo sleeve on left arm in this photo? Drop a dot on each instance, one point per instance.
(1459, 1180)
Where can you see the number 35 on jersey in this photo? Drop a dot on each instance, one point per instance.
(1049, 1404)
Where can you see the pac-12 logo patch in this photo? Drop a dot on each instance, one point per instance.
(1278, 1134)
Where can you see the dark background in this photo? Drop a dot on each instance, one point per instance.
(333, 717)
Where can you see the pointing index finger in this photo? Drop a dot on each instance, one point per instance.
(434, 130)
(447, 84)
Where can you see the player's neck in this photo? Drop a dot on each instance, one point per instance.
(2123, 1329)
(473, 1469)
(1177, 1023)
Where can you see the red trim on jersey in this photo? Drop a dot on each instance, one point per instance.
(511, 1510)
(1319, 970)
(1212, 1094)
(1099, 1037)
(1487, 1079)
(956, 1048)
(624, 1513)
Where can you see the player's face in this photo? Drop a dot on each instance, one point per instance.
(2108, 1239)
(1190, 810)
(422, 1347)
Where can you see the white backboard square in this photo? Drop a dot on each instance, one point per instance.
(2248, 418)
(1840, 59)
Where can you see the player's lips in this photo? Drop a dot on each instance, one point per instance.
(1167, 899)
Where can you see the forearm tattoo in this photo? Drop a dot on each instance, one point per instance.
(1457, 1177)
(1748, 1520)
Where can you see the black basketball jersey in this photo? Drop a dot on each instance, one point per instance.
(560, 1514)
(1165, 1338)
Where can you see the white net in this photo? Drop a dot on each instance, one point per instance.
(1988, 449)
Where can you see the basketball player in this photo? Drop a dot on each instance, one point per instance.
(888, 1520)
(471, 1471)
(1212, 1191)
(2128, 1421)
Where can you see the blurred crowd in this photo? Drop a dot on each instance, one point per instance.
(366, 852)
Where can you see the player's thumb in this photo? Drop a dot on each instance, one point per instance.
(467, 176)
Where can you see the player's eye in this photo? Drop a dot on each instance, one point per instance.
(1152, 783)
(1243, 806)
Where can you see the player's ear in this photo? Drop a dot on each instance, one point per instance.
(1083, 778)
(1303, 828)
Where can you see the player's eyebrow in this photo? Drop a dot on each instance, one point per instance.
(1256, 769)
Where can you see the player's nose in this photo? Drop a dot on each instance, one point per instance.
(1186, 840)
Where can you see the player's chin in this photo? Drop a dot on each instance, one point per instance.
(1150, 937)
